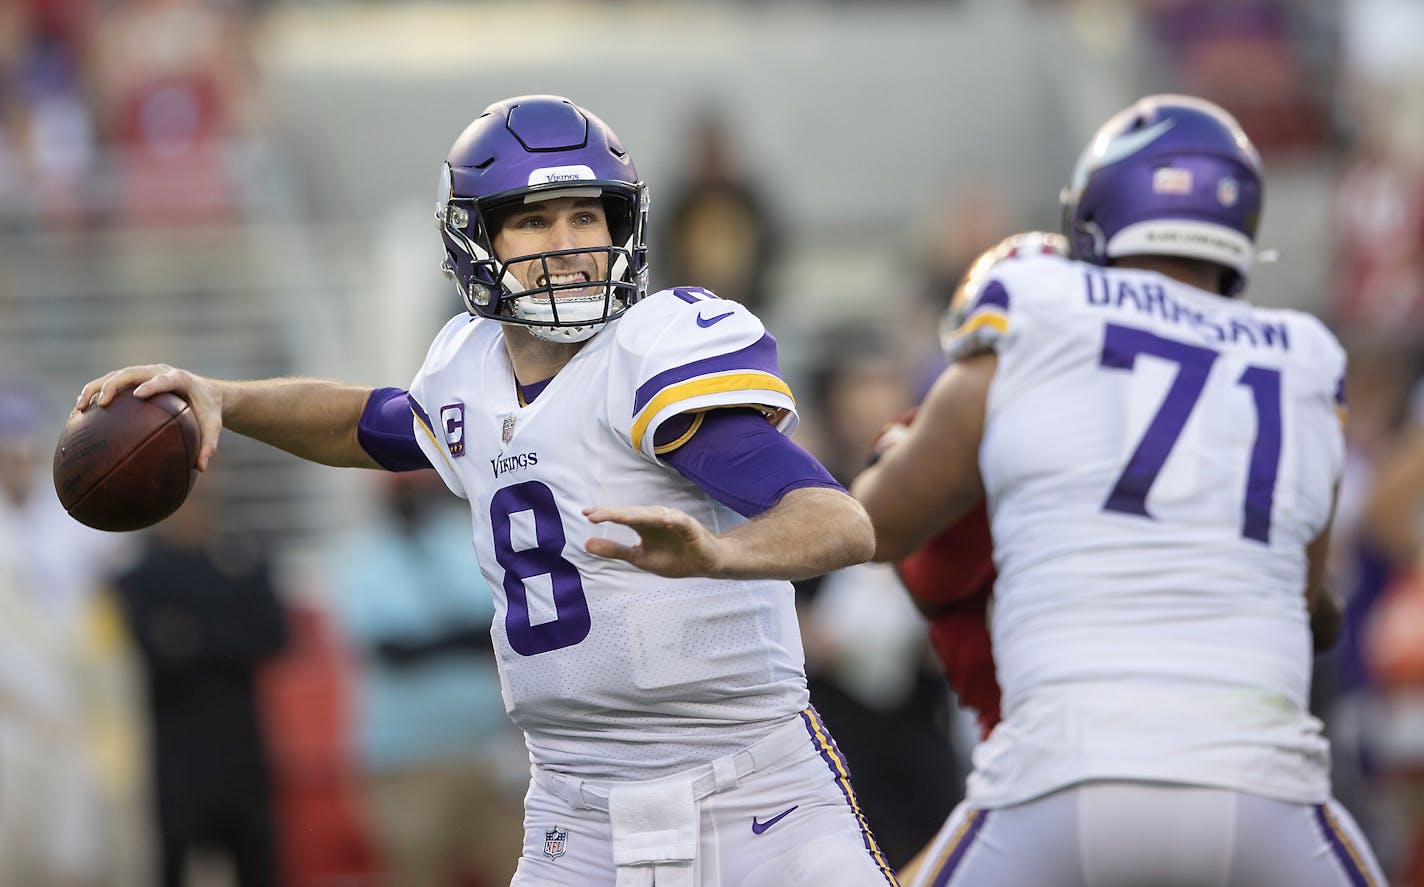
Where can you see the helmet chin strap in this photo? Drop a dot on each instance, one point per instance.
(565, 334)
(576, 329)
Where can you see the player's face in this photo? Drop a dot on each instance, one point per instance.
(561, 223)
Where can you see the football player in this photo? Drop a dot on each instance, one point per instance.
(1159, 459)
(638, 510)
(951, 577)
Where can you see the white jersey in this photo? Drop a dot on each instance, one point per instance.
(611, 671)
(1156, 459)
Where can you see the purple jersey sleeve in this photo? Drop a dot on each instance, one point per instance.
(387, 431)
(739, 458)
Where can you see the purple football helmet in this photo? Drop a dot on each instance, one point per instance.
(1170, 175)
(523, 150)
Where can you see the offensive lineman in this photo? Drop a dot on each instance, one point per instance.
(1160, 462)
(667, 719)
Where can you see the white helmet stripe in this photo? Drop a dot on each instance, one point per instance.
(506, 280)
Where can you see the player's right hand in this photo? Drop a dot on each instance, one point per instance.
(202, 395)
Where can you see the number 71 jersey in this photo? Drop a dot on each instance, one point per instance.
(1156, 459)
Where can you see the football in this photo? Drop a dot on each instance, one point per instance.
(128, 465)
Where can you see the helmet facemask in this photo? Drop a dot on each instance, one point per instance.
(489, 288)
(568, 318)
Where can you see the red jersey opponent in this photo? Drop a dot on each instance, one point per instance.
(951, 577)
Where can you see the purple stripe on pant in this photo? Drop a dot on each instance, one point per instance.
(840, 770)
(1345, 852)
(959, 845)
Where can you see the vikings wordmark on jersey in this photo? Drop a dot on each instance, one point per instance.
(609, 669)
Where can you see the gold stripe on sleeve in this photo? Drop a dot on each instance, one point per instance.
(686, 435)
(746, 381)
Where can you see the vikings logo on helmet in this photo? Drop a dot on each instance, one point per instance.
(1171, 175)
(972, 284)
(523, 150)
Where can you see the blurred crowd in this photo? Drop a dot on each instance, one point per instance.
(130, 113)
(175, 710)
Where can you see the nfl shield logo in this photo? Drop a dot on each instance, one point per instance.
(508, 428)
(556, 841)
(1228, 191)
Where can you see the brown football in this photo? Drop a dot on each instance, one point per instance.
(128, 465)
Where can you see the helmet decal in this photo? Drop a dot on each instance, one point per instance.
(550, 174)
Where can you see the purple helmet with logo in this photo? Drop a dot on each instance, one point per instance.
(523, 150)
(1171, 175)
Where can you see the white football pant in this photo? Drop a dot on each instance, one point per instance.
(1125, 834)
(779, 814)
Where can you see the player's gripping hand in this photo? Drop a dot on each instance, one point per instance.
(893, 432)
(202, 396)
(671, 543)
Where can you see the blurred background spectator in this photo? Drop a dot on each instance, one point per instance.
(205, 616)
(1257, 57)
(48, 143)
(719, 228)
(174, 100)
(243, 188)
(1385, 647)
(867, 661)
(439, 761)
(943, 248)
(68, 693)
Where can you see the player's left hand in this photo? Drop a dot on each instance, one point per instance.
(891, 434)
(670, 542)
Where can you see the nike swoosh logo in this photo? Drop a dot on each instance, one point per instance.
(708, 321)
(759, 827)
(1128, 144)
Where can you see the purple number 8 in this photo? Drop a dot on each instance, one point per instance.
(546, 557)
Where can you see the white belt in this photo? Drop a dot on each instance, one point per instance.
(722, 774)
(655, 822)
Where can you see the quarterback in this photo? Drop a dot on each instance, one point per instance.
(1159, 460)
(637, 509)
